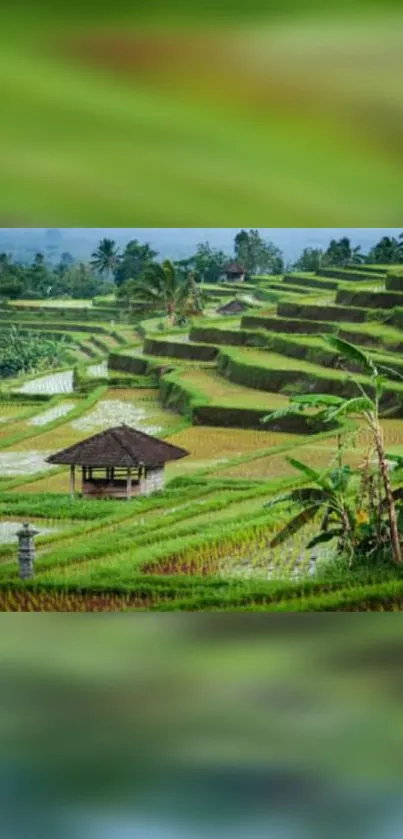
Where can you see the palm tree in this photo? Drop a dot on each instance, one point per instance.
(106, 257)
(357, 258)
(162, 286)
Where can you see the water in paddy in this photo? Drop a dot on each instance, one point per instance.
(9, 529)
(53, 413)
(50, 385)
(291, 561)
(23, 463)
(113, 412)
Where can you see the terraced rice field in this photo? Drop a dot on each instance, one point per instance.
(53, 413)
(224, 392)
(212, 447)
(139, 407)
(98, 371)
(11, 410)
(24, 461)
(209, 531)
(49, 385)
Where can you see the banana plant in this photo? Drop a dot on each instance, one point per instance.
(365, 406)
(328, 495)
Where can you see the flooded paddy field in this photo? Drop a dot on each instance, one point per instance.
(137, 407)
(23, 462)
(53, 413)
(9, 529)
(49, 385)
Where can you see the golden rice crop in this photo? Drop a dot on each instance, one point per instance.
(211, 443)
(23, 600)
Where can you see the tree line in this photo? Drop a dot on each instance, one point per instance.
(388, 251)
(112, 269)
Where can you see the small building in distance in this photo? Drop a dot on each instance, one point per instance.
(118, 463)
(234, 307)
(234, 272)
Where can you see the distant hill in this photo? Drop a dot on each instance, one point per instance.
(177, 242)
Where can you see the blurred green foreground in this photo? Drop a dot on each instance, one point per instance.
(201, 726)
(119, 116)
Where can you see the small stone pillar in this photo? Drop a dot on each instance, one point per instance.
(26, 550)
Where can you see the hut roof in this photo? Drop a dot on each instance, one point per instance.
(233, 306)
(121, 446)
(234, 268)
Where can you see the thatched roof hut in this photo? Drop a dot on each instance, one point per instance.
(235, 271)
(119, 462)
(234, 307)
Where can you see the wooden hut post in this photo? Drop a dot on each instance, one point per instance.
(129, 484)
(72, 481)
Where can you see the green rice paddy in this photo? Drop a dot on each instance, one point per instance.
(207, 535)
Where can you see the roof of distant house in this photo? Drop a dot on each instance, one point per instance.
(233, 306)
(121, 446)
(234, 268)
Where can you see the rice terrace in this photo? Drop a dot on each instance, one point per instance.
(211, 430)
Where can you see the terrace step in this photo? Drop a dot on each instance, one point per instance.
(370, 299)
(367, 269)
(177, 349)
(285, 325)
(320, 312)
(310, 281)
(277, 373)
(394, 282)
(348, 275)
(308, 348)
(206, 398)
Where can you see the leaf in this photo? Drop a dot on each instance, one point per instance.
(309, 495)
(278, 415)
(294, 526)
(318, 400)
(388, 370)
(321, 538)
(352, 406)
(278, 500)
(396, 458)
(351, 353)
(306, 470)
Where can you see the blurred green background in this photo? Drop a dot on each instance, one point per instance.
(279, 113)
(190, 726)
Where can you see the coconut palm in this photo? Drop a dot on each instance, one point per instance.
(106, 257)
(357, 257)
(163, 287)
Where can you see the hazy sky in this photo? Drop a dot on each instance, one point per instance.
(290, 240)
(180, 241)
